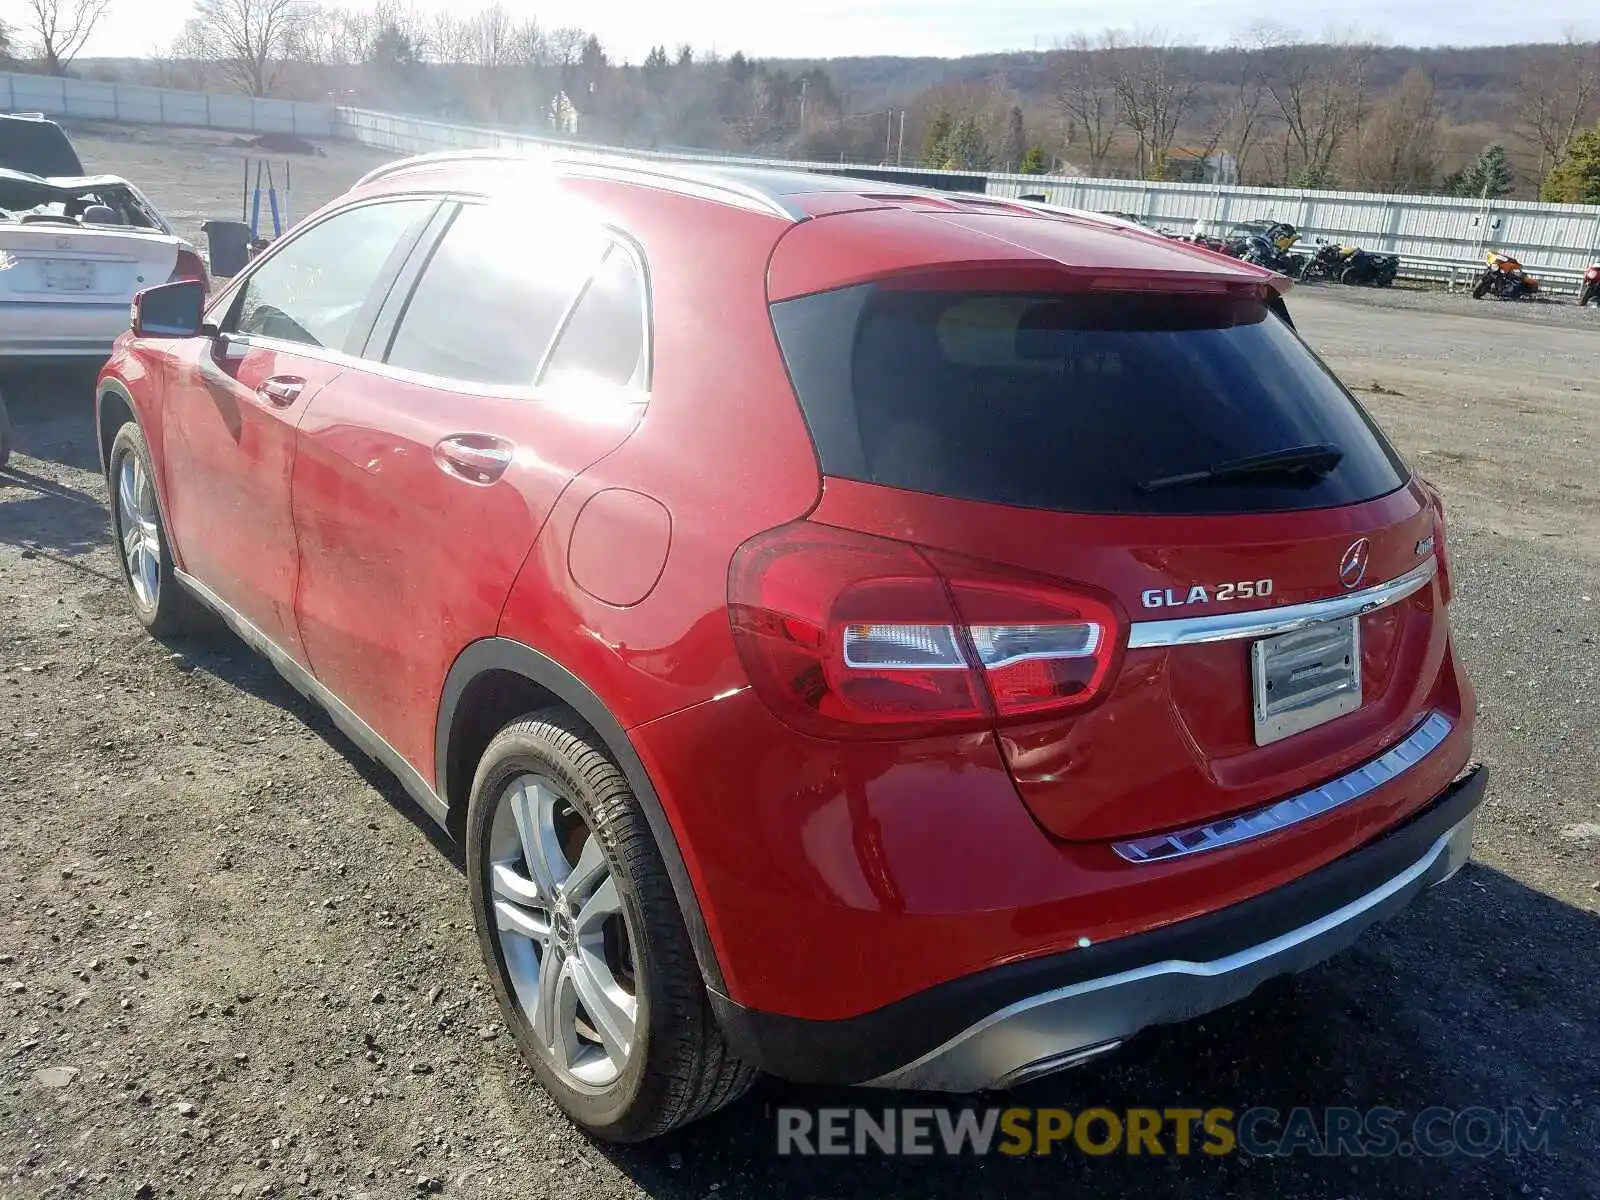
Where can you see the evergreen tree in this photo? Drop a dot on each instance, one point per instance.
(655, 69)
(1033, 162)
(968, 151)
(936, 145)
(1576, 179)
(1016, 142)
(1487, 177)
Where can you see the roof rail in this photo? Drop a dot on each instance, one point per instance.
(415, 161)
(681, 177)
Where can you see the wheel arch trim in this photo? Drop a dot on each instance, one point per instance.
(115, 387)
(503, 654)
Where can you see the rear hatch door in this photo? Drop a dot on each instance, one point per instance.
(1076, 432)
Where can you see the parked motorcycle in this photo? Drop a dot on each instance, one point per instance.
(1591, 286)
(1367, 268)
(1265, 252)
(1504, 279)
(1351, 265)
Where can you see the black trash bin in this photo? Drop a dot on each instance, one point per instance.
(229, 243)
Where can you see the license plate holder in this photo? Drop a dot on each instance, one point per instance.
(1305, 678)
(67, 276)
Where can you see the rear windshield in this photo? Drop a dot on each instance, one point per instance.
(1071, 402)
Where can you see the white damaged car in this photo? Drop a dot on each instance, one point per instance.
(73, 252)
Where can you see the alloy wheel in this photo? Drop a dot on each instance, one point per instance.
(563, 933)
(139, 526)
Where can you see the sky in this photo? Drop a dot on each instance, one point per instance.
(832, 28)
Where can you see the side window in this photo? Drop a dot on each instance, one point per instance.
(312, 290)
(604, 338)
(491, 296)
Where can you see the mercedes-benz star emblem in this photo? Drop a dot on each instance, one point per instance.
(1353, 566)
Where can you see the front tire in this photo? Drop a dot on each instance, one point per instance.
(5, 434)
(1481, 288)
(143, 550)
(586, 948)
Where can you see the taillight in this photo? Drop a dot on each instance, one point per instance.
(189, 266)
(847, 635)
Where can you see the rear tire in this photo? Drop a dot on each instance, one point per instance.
(1588, 294)
(143, 551)
(5, 434)
(565, 876)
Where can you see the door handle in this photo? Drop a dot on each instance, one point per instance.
(281, 390)
(475, 457)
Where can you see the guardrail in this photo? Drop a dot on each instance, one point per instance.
(1558, 281)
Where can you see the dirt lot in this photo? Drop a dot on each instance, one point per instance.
(235, 961)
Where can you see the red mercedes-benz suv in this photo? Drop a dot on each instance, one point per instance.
(860, 633)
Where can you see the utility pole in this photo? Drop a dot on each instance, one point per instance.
(900, 151)
(803, 84)
(888, 136)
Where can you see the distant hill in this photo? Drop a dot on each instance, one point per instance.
(1474, 83)
(1411, 117)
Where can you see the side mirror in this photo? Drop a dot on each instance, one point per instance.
(170, 310)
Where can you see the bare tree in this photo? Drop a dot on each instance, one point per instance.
(448, 39)
(1555, 100)
(59, 28)
(1398, 149)
(247, 39)
(1153, 94)
(1317, 93)
(1237, 113)
(1086, 96)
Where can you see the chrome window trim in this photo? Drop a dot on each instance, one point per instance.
(1264, 622)
(1336, 793)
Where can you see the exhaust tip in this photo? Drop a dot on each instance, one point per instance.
(1055, 1063)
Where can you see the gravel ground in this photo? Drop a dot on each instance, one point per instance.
(1555, 310)
(235, 960)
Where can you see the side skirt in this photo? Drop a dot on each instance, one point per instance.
(352, 726)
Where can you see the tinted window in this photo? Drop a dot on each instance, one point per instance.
(491, 296)
(314, 287)
(604, 339)
(1070, 402)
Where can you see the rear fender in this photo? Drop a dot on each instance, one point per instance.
(497, 654)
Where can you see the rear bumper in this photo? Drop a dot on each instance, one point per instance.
(1003, 1026)
(60, 330)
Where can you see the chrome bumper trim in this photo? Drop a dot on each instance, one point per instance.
(1347, 788)
(1264, 622)
(1071, 1024)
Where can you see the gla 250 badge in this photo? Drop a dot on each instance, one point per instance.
(1243, 589)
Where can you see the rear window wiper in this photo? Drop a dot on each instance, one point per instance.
(1313, 461)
